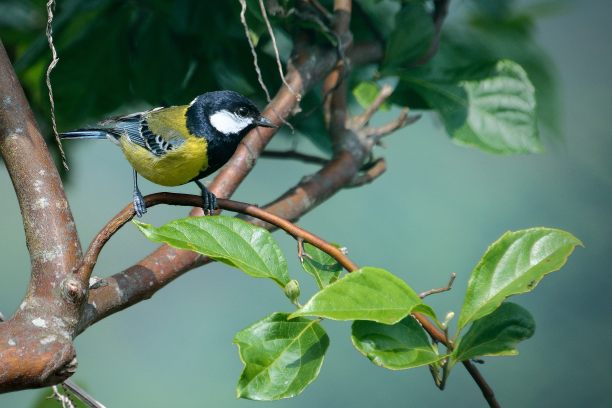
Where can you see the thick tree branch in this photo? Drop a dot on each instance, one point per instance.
(35, 344)
(54, 249)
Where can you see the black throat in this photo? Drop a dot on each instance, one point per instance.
(221, 147)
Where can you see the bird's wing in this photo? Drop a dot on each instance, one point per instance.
(129, 126)
(165, 128)
(158, 130)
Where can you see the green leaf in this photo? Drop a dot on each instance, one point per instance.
(366, 294)
(365, 93)
(225, 239)
(514, 264)
(496, 334)
(510, 36)
(493, 110)
(411, 37)
(281, 356)
(320, 265)
(396, 347)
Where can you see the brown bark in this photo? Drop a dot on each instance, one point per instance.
(36, 343)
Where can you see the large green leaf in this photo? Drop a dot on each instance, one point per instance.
(226, 239)
(496, 334)
(397, 347)
(514, 264)
(281, 356)
(491, 32)
(493, 110)
(320, 265)
(509, 33)
(366, 294)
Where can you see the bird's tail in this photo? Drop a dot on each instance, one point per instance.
(88, 134)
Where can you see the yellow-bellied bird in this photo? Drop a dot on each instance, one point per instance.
(178, 144)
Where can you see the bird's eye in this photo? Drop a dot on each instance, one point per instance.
(242, 111)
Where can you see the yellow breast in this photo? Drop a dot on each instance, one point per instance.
(177, 166)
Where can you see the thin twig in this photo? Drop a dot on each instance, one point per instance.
(445, 367)
(301, 252)
(446, 288)
(123, 217)
(363, 119)
(52, 64)
(437, 335)
(372, 173)
(276, 52)
(486, 390)
(82, 395)
(294, 155)
(377, 133)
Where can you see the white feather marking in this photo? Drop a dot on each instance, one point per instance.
(228, 123)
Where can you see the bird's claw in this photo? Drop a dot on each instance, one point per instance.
(139, 205)
(210, 202)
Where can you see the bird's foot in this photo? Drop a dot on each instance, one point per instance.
(139, 205)
(210, 202)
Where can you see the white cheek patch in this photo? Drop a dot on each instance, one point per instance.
(227, 122)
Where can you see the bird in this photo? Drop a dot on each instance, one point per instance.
(175, 145)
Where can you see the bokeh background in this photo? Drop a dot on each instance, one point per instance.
(434, 212)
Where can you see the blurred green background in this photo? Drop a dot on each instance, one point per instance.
(434, 212)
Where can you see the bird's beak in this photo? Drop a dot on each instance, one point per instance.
(264, 122)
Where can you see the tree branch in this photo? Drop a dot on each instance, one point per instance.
(128, 214)
(446, 288)
(35, 344)
(373, 172)
(485, 388)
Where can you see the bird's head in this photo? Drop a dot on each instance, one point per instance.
(225, 113)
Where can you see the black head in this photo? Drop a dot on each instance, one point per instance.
(225, 114)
